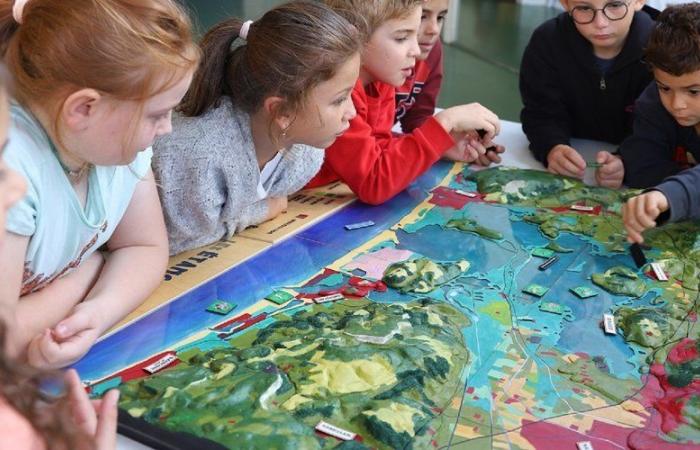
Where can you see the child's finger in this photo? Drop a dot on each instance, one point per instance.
(83, 411)
(640, 210)
(72, 325)
(477, 146)
(494, 156)
(471, 154)
(576, 160)
(45, 348)
(106, 432)
(634, 237)
(569, 168)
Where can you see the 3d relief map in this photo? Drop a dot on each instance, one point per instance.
(476, 321)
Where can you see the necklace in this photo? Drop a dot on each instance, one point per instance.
(74, 175)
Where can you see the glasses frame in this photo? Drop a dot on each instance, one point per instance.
(595, 13)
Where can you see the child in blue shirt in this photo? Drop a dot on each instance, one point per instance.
(668, 120)
(88, 106)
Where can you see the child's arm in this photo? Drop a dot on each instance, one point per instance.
(377, 165)
(426, 101)
(134, 268)
(545, 120)
(37, 311)
(676, 199)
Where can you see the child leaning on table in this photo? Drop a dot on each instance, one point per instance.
(95, 82)
(374, 163)
(668, 125)
(579, 77)
(666, 136)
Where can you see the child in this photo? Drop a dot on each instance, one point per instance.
(669, 119)
(27, 421)
(580, 75)
(668, 111)
(374, 163)
(88, 105)
(416, 99)
(255, 121)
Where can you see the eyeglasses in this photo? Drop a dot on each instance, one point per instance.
(584, 15)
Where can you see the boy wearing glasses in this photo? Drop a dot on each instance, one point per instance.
(580, 75)
(667, 115)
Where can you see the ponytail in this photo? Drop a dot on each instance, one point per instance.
(211, 80)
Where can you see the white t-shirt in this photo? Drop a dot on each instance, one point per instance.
(265, 175)
(62, 233)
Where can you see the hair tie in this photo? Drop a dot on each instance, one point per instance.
(17, 9)
(243, 33)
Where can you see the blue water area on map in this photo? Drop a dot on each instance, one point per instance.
(287, 263)
(583, 334)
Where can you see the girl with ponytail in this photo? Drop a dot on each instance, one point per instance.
(267, 98)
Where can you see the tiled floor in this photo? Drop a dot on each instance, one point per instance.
(482, 65)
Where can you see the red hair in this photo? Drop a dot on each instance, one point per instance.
(128, 49)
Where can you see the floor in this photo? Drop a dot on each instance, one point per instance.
(482, 65)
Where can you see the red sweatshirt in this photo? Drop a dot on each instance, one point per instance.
(416, 99)
(376, 164)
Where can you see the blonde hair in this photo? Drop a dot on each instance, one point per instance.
(368, 15)
(127, 49)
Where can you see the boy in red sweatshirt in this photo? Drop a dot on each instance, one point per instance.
(376, 164)
(417, 97)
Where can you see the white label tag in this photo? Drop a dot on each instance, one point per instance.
(329, 298)
(584, 445)
(609, 324)
(659, 271)
(161, 364)
(466, 194)
(332, 430)
(582, 208)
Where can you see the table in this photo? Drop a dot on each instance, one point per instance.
(516, 155)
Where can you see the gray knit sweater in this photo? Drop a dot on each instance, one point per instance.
(208, 175)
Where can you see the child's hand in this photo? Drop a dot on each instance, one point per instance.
(611, 172)
(464, 118)
(95, 418)
(275, 206)
(564, 160)
(69, 340)
(492, 155)
(640, 212)
(467, 148)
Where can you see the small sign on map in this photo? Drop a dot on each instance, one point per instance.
(279, 297)
(329, 298)
(583, 291)
(332, 430)
(553, 308)
(161, 364)
(542, 252)
(582, 208)
(221, 307)
(609, 324)
(466, 194)
(358, 225)
(584, 445)
(659, 271)
(535, 289)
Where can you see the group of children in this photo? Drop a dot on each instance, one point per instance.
(306, 95)
(587, 74)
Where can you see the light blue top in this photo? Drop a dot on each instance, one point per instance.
(62, 233)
